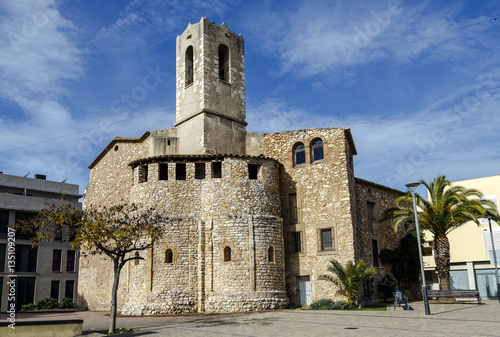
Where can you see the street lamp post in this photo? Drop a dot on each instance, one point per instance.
(412, 187)
(494, 259)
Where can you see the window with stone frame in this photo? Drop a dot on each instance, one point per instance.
(143, 173)
(370, 214)
(293, 212)
(326, 239)
(227, 254)
(299, 154)
(253, 171)
(216, 169)
(163, 171)
(199, 170)
(189, 72)
(224, 66)
(137, 258)
(295, 242)
(169, 256)
(317, 150)
(180, 171)
(270, 254)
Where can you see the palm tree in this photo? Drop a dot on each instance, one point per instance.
(349, 279)
(447, 208)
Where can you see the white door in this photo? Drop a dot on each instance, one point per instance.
(305, 290)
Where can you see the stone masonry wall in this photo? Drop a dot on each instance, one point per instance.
(206, 216)
(367, 230)
(324, 201)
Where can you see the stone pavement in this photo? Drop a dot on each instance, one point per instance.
(445, 320)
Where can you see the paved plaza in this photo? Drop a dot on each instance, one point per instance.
(445, 320)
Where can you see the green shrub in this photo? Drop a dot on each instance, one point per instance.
(323, 304)
(47, 303)
(387, 286)
(67, 303)
(341, 305)
(29, 306)
(328, 304)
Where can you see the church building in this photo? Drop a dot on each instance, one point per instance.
(258, 216)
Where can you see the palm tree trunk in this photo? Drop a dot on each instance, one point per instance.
(442, 259)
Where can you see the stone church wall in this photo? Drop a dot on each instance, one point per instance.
(324, 201)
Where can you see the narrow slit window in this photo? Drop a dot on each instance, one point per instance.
(169, 256)
(270, 254)
(227, 254)
(180, 171)
(292, 200)
(217, 169)
(253, 171)
(199, 171)
(189, 66)
(163, 172)
(224, 63)
(136, 261)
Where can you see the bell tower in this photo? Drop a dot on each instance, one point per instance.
(210, 90)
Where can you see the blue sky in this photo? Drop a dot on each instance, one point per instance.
(419, 103)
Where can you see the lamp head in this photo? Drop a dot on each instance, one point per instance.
(413, 186)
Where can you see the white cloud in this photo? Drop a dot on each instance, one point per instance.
(456, 135)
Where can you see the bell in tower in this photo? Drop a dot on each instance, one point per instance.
(210, 90)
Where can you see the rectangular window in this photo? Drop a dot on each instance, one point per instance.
(180, 171)
(295, 242)
(375, 260)
(143, 173)
(70, 260)
(56, 260)
(3, 248)
(70, 289)
(292, 203)
(4, 223)
(22, 216)
(25, 291)
(370, 214)
(253, 171)
(26, 258)
(326, 239)
(163, 172)
(199, 170)
(54, 290)
(216, 169)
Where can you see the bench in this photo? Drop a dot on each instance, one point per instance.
(455, 294)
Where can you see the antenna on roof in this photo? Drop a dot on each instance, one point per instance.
(64, 180)
(26, 174)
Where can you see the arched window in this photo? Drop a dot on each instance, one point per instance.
(317, 150)
(270, 254)
(169, 256)
(189, 65)
(224, 62)
(136, 261)
(299, 154)
(227, 254)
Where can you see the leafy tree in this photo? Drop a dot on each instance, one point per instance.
(404, 262)
(116, 231)
(349, 279)
(448, 208)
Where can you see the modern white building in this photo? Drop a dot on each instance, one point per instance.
(50, 270)
(471, 251)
